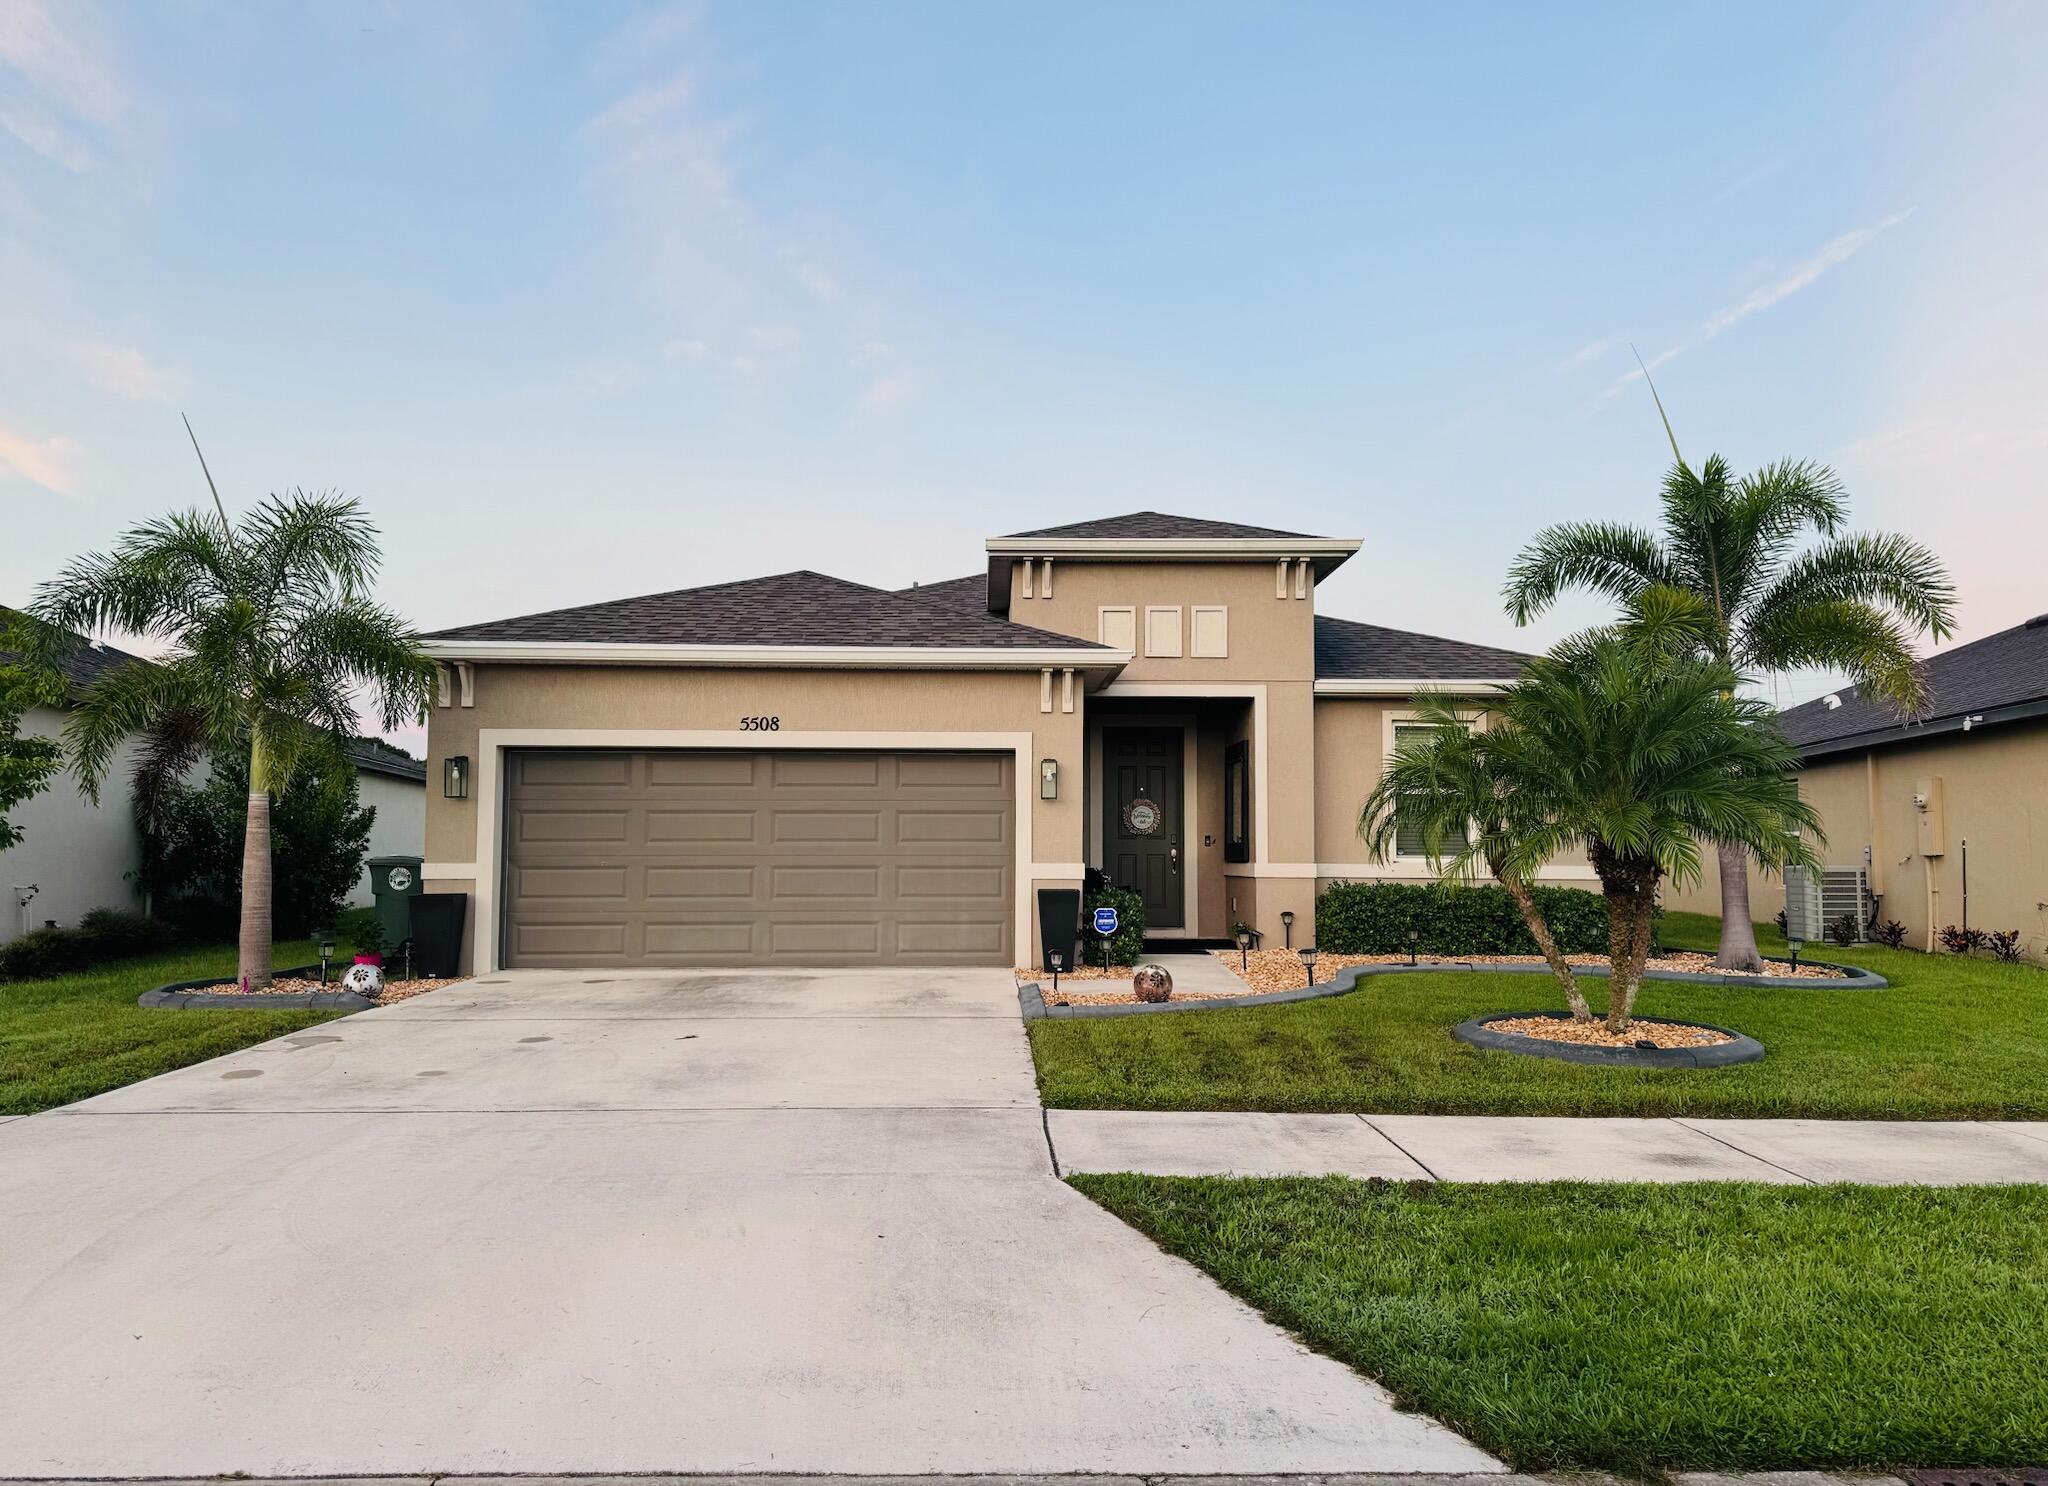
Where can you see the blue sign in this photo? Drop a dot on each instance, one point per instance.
(1105, 922)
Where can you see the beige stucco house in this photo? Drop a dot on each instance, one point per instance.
(804, 770)
(1954, 798)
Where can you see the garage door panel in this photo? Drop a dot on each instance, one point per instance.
(700, 825)
(725, 858)
(701, 770)
(685, 884)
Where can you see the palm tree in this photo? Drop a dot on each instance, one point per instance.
(1450, 787)
(1619, 747)
(270, 634)
(1853, 602)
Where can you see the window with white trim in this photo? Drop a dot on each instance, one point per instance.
(1409, 839)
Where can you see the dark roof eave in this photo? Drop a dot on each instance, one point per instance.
(1934, 727)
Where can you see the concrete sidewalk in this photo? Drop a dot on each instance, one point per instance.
(1473, 1148)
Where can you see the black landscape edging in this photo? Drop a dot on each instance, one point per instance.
(1031, 996)
(188, 995)
(1720, 1055)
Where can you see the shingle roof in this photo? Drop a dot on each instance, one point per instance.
(1156, 526)
(953, 595)
(1348, 650)
(378, 757)
(2007, 669)
(800, 608)
(82, 664)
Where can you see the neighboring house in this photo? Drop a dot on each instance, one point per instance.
(76, 856)
(1914, 800)
(803, 770)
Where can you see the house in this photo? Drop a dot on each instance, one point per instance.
(75, 856)
(803, 770)
(1945, 811)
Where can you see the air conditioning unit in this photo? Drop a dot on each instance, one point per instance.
(1803, 921)
(1814, 900)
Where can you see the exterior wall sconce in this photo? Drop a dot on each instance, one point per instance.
(1048, 779)
(455, 777)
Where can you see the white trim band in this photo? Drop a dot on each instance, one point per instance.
(1394, 686)
(898, 657)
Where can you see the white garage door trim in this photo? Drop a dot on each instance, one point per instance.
(492, 743)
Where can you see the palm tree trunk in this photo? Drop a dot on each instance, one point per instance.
(255, 936)
(1546, 942)
(1738, 934)
(1630, 886)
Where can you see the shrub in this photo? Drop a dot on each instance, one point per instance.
(1784, 924)
(2006, 945)
(1376, 918)
(1891, 934)
(1127, 945)
(102, 936)
(320, 832)
(1961, 941)
(1842, 929)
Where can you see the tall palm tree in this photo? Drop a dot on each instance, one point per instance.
(1852, 602)
(1449, 786)
(1637, 755)
(271, 634)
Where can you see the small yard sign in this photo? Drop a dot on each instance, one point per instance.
(1105, 922)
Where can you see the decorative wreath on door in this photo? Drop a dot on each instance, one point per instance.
(1143, 817)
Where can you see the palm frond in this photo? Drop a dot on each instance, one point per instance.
(1602, 557)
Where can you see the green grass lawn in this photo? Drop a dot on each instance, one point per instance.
(1951, 1039)
(77, 1035)
(1638, 1328)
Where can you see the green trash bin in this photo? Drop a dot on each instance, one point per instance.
(395, 882)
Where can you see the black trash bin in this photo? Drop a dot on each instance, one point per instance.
(1059, 925)
(437, 934)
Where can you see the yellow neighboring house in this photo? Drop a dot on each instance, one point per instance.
(1946, 813)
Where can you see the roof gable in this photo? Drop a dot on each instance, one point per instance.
(802, 608)
(1157, 526)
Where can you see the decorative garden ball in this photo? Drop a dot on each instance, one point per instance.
(1152, 983)
(364, 980)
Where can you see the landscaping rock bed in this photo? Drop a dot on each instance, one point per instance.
(1553, 1034)
(296, 989)
(1282, 969)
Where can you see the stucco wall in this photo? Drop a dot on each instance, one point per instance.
(1995, 795)
(1270, 639)
(74, 851)
(1351, 747)
(629, 698)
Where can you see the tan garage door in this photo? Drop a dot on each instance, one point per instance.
(766, 858)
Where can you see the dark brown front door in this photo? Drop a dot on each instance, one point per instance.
(1142, 825)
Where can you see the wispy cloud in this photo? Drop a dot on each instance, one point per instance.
(124, 371)
(888, 394)
(1802, 275)
(59, 62)
(35, 128)
(51, 463)
(1592, 351)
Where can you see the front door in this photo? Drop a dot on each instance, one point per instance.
(1141, 828)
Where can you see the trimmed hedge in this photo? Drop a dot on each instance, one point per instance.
(1374, 918)
(102, 936)
(1127, 945)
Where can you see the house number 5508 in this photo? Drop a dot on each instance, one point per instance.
(760, 724)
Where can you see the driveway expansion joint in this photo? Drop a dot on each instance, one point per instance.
(1698, 1128)
(1426, 1171)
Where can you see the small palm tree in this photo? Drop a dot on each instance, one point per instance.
(1614, 745)
(1450, 787)
(1853, 603)
(271, 634)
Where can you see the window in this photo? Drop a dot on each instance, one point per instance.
(1117, 627)
(1409, 840)
(1237, 802)
(1209, 631)
(1162, 631)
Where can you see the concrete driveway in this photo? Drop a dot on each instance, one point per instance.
(555, 1223)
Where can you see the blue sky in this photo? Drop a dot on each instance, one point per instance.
(588, 300)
